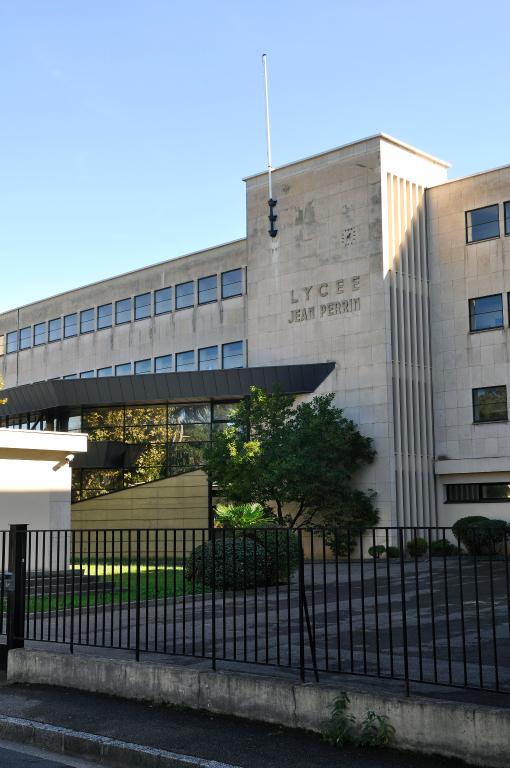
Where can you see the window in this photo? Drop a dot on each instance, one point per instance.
(233, 355)
(70, 325)
(25, 337)
(86, 321)
(482, 223)
(507, 218)
(208, 359)
(185, 361)
(87, 375)
(104, 316)
(54, 329)
(163, 364)
(184, 295)
(104, 371)
(71, 376)
(486, 312)
(142, 306)
(124, 369)
(489, 404)
(39, 334)
(162, 301)
(465, 493)
(143, 366)
(11, 342)
(231, 283)
(2, 344)
(207, 289)
(123, 311)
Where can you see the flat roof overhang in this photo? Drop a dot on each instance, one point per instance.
(162, 387)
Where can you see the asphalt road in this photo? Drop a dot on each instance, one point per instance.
(27, 757)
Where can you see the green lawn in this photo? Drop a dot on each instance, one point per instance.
(155, 582)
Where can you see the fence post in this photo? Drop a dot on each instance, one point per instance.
(404, 610)
(16, 586)
(301, 582)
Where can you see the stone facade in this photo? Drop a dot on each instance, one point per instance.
(370, 270)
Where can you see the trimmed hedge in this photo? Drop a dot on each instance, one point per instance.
(479, 535)
(443, 548)
(416, 547)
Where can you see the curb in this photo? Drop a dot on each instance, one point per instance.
(102, 749)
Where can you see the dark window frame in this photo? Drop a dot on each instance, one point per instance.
(229, 344)
(98, 317)
(481, 239)
(142, 373)
(29, 345)
(164, 311)
(149, 305)
(120, 301)
(488, 421)
(209, 301)
(122, 365)
(104, 375)
(185, 352)
(234, 295)
(479, 498)
(54, 320)
(506, 217)
(203, 349)
(493, 327)
(160, 357)
(82, 312)
(36, 335)
(16, 344)
(85, 374)
(63, 330)
(192, 293)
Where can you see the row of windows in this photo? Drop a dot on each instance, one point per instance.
(483, 223)
(462, 493)
(208, 359)
(144, 305)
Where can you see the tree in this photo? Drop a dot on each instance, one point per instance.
(304, 456)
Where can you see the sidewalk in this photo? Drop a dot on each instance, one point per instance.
(229, 740)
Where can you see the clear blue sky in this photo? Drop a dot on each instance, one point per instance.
(126, 126)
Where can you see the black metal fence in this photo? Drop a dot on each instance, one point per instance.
(414, 604)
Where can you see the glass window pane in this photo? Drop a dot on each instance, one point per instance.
(189, 414)
(142, 306)
(224, 411)
(231, 283)
(207, 289)
(70, 325)
(54, 329)
(39, 334)
(104, 316)
(107, 371)
(163, 364)
(482, 223)
(489, 404)
(185, 433)
(208, 359)
(124, 369)
(71, 376)
(186, 456)
(486, 312)
(507, 218)
(162, 301)
(25, 338)
(185, 361)
(11, 341)
(123, 311)
(153, 414)
(495, 491)
(184, 295)
(86, 321)
(233, 355)
(87, 375)
(143, 366)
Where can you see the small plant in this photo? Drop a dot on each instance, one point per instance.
(373, 731)
(392, 551)
(242, 516)
(442, 548)
(376, 551)
(341, 729)
(416, 547)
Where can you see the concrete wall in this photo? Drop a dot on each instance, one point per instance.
(35, 477)
(175, 502)
(461, 360)
(480, 735)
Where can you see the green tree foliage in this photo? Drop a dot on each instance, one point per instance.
(306, 456)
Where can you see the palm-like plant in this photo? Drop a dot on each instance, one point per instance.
(242, 516)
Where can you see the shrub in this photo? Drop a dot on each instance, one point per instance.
(238, 562)
(242, 515)
(392, 551)
(416, 547)
(282, 548)
(443, 548)
(479, 535)
(376, 551)
(355, 517)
